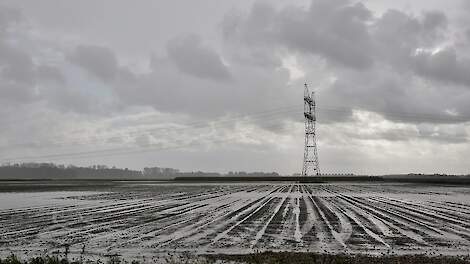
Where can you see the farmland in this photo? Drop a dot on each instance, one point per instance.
(148, 218)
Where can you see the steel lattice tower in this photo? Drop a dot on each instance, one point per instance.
(311, 165)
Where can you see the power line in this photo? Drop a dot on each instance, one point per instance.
(265, 115)
(126, 151)
(272, 114)
(239, 117)
(110, 152)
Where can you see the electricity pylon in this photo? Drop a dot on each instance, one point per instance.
(311, 165)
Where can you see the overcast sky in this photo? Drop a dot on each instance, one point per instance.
(217, 85)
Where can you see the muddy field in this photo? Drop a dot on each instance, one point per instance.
(148, 218)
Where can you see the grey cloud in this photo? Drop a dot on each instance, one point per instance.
(443, 134)
(17, 71)
(166, 89)
(191, 56)
(341, 32)
(26, 79)
(336, 30)
(397, 97)
(443, 65)
(143, 140)
(256, 28)
(97, 60)
(59, 96)
(397, 36)
(373, 58)
(8, 16)
(49, 73)
(16, 64)
(433, 20)
(11, 92)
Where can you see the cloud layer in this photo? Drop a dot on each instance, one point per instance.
(383, 79)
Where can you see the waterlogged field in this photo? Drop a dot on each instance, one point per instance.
(148, 218)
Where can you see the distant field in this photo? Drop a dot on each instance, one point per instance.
(147, 218)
